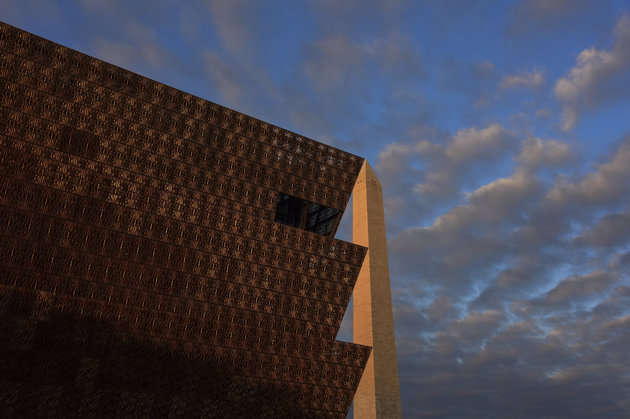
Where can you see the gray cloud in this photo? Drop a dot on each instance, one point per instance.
(578, 288)
(230, 21)
(230, 82)
(336, 61)
(499, 335)
(475, 81)
(547, 8)
(519, 370)
(543, 15)
(10, 11)
(610, 231)
(145, 49)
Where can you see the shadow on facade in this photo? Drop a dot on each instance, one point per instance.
(56, 363)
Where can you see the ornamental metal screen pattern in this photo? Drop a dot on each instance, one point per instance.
(141, 270)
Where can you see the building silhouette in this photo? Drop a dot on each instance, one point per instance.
(161, 255)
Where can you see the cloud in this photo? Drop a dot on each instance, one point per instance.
(485, 363)
(612, 230)
(12, 11)
(471, 330)
(474, 80)
(598, 77)
(349, 16)
(525, 274)
(190, 21)
(230, 82)
(120, 53)
(536, 152)
(495, 202)
(473, 143)
(124, 34)
(534, 16)
(333, 61)
(434, 166)
(547, 7)
(336, 61)
(494, 327)
(390, 160)
(532, 80)
(462, 245)
(149, 57)
(230, 19)
(608, 185)
(573, 289)
(463, 151)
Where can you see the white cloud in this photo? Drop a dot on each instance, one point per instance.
(473, 143)
(495, 202)
(525, 80)
(608, 185)
(591, 65)
(450, 163)
(588, 83)
(427, 149)
(504, 191)
(392, 157)
(536, 153)
(485, 67)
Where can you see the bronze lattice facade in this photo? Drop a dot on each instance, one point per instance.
(161, 255)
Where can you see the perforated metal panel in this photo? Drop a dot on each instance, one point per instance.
(138, 244)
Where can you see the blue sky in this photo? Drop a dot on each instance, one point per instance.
(501, 133)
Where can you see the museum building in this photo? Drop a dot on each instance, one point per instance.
(162, 255)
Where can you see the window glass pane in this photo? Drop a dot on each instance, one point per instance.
(299, 213)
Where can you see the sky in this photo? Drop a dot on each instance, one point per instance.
(500, 131)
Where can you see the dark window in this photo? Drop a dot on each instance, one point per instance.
(299, 213)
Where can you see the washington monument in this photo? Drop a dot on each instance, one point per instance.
(378, 394)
